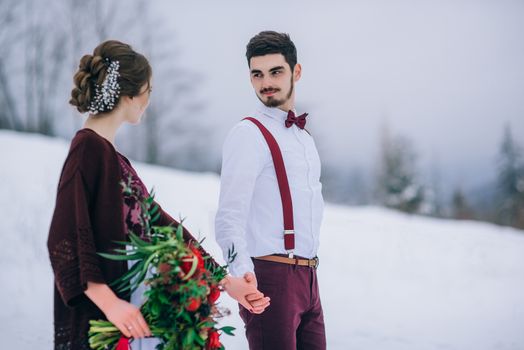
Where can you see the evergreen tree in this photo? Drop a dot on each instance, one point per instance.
(461, 208)
(510, 182)
(398, 187)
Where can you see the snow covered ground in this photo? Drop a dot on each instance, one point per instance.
(388, 281)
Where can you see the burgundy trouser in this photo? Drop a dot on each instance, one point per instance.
(294, 320)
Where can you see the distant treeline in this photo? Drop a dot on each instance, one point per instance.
(397, 183)
(41, 43)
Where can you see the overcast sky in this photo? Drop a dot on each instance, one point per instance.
(447, 74)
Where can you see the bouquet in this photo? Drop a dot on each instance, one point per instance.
(180, 306)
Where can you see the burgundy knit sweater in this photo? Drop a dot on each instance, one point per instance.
(87, 220)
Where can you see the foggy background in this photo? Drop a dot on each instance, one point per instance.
(417, 106)
(410, 102)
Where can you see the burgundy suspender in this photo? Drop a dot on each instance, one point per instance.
(283, 186)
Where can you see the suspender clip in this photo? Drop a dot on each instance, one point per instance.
(290, 252)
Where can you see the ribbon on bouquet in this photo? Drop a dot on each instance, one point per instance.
(123, 344)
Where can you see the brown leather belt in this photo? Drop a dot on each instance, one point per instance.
(291, 261)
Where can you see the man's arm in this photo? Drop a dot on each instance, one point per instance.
(243, 158)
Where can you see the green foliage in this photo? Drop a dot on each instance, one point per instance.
(179, 308)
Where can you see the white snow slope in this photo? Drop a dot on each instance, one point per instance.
(388, 281)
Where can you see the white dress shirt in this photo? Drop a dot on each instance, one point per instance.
(249, 215)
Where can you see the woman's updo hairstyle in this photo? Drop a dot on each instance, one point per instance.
(112, 64)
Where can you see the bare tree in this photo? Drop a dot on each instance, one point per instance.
(171, 133)
(44, 63)
(9, 34)
(54, 35)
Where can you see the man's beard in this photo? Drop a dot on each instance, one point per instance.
(273, 102)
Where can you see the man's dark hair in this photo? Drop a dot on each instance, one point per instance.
(268, 42)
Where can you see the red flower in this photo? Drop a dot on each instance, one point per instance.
(213, 295)
(213, 341)
(187, 261)
(197, 253)
(186, 265)
(164, 268)
(193, 304)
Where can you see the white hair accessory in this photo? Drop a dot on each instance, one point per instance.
(107, 93)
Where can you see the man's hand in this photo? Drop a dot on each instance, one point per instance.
(251, 278)
(240, 289)
(258, 304)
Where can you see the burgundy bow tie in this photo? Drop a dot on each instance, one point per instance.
(300, 121)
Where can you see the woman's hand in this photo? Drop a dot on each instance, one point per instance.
(128, 319)
(246, 293)
(124, 315)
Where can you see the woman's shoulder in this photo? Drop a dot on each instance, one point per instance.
(91, 140)
(89, 154)
(91, 150)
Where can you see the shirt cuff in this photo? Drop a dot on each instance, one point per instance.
(241, 268)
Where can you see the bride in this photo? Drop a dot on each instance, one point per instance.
(113, 85)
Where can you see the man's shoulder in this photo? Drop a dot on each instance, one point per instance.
(245, 134)
(244, 127)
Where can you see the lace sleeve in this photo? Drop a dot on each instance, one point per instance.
(71, 242)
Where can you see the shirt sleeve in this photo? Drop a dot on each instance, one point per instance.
(243, 158)
(71, 242)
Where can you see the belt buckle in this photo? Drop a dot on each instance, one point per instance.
(314, 262)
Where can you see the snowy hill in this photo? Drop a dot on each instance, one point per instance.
(388, 281)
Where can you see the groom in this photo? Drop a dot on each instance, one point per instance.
(271, 205)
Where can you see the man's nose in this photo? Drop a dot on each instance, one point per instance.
(266, 82)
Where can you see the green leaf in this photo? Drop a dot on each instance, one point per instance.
(155, 217)
(199, 340)
(180, 232)
(116, 257)
(137, 241)
(189, 337)
(156, 309)
(132, 271)
(163, 298)
(228, 330)
(154, 209)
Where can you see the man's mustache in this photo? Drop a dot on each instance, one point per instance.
(263, 91)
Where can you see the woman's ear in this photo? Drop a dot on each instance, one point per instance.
(126, 99)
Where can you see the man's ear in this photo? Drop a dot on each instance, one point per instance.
(297, 72)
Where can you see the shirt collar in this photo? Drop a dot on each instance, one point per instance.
(273, 112)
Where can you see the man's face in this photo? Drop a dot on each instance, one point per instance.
(273, 80)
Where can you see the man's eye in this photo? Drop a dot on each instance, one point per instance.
(277, 72)
(257, 75)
